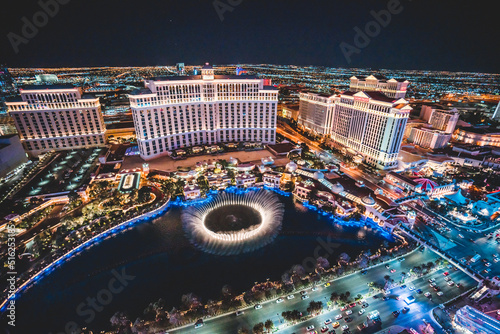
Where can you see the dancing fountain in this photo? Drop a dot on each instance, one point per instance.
(234, 223)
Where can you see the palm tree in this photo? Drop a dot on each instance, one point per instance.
(269, 325)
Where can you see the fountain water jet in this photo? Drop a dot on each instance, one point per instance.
(263, 206)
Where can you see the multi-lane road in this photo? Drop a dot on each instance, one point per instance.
(464, 243)
(356, 284)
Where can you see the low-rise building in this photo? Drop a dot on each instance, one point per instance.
(272, 179)
(191, 191)
(429, 138)
(303, 189)
(402, 181)
(475, 321)
(245, 180)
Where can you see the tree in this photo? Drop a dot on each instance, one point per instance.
(334, 296)
(243, 330)
(322, 263)
(144, 194)
(343, 257)
(291, 315)
(315, 307)
(258, 328)
(269, 325)
(119, 321)
(175, 317)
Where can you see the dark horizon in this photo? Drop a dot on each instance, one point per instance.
(447, 36)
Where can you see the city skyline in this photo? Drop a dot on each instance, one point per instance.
(446, 38)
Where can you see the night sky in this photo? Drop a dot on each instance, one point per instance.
(430, 35)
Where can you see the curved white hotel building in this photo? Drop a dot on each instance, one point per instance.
(367, 122)
(57, 117)
(175, 112)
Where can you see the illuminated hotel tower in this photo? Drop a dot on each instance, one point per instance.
(175, 112)
(57, 117)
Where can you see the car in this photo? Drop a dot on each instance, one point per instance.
(310, 328)
(419, 291)
(428, 295)
(328, 321)
(411, 288)
(303, 297)
(347, 319)
(361, 311)
(440, 293)
(290, 297)
(327, 285)
(363, 272)
(431, 280)
(338, 317)
(487, 264)
(385, 298)
(403, 286)
(393, 271)
(458, 285)
(397, 298)
(487, 270)
(351, 305)
(446, 273)
(336, 324)
(413, 331)
(460, 235)
(387, 266)
(405, 309)
(279, 300)
(345, 327)
(238, 313)
(365, 305)
(257, 307)
(303, 292)
(199, 323)
(343, 308)
(450, 283)
(331, 332)
(324, 329)
(395, 313)
(496, 260)
(348, 312)
(447, 278)
(401, 259)
(437, 288)
(314, 288)
(433, 284)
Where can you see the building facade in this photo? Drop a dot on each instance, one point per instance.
(316, 112)
(475, 321)
(429, 138)
(444, 120)
(371, 124)
(391, 87)
(57, 117)
(478, 136)
(175, 112)
(12, 154)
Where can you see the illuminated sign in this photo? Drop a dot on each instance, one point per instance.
(361, 99)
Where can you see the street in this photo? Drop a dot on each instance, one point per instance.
(355, 284)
